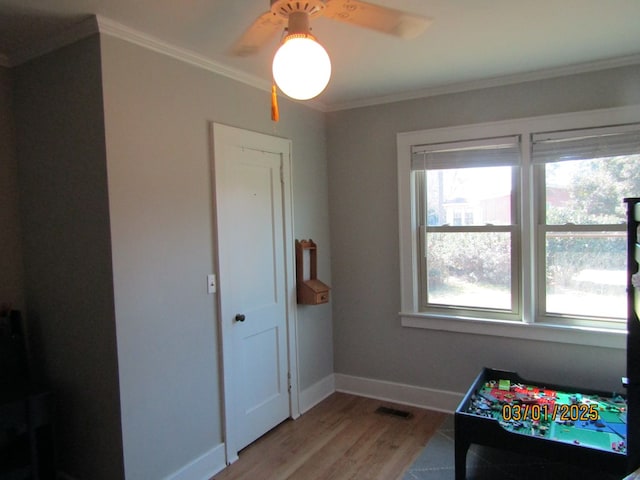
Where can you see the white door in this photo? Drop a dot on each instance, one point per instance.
(255, 281)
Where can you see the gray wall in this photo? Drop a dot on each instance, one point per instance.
(368, 339)
(116, 200)
(157, 116)
(11, 266)
(65, 218)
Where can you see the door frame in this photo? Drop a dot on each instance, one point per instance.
(220, 133)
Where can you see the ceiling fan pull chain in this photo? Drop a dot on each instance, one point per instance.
(275, 112)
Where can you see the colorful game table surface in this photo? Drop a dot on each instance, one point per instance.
(581, 426)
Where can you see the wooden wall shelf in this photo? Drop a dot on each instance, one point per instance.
(310, 291)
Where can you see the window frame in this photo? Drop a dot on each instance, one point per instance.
(513, 229)
(526, 327)
(541, 228)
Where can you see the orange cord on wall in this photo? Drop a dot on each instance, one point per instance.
(275, 113)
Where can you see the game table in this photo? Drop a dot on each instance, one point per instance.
(579, 426)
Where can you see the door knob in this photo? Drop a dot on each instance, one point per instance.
(240, 317)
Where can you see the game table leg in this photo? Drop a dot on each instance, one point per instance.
(461, 448)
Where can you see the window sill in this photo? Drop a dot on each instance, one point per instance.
(543, 332)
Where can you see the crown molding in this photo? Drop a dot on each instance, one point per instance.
(490, 82)
(98, 24)
(122, 32)
(105, 26)
(117, 30)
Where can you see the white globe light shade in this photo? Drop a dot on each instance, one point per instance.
(301, 68)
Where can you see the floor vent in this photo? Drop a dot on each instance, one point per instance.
(394, 412)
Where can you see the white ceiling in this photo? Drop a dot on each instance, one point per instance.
(470, 42)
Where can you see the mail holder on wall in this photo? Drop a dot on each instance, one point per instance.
(310, 291)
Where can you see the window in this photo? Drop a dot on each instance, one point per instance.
(470, 267)
(518, 228)
(468, 218)
(581, 235)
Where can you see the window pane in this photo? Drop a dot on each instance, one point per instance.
(590, 192)
(469, 196)
(470, 269)
(586, 274)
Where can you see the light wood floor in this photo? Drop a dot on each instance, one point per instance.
(340, 438)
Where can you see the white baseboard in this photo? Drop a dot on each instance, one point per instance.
(317, 392)
(203, 467)
(432, 399)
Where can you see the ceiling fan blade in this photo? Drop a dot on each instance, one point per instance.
(258, 34)
(382, 19)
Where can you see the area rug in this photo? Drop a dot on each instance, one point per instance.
(436, 462)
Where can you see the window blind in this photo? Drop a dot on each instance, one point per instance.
(486, 152)
(585, 144)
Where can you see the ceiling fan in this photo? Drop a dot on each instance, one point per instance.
(292, 17)
(363, 14)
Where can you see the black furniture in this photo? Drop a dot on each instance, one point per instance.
(472, 428)
(27, 436)
(26, 426)
(633, 336)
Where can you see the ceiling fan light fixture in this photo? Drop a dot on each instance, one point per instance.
(301, 67)
(298, 74)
